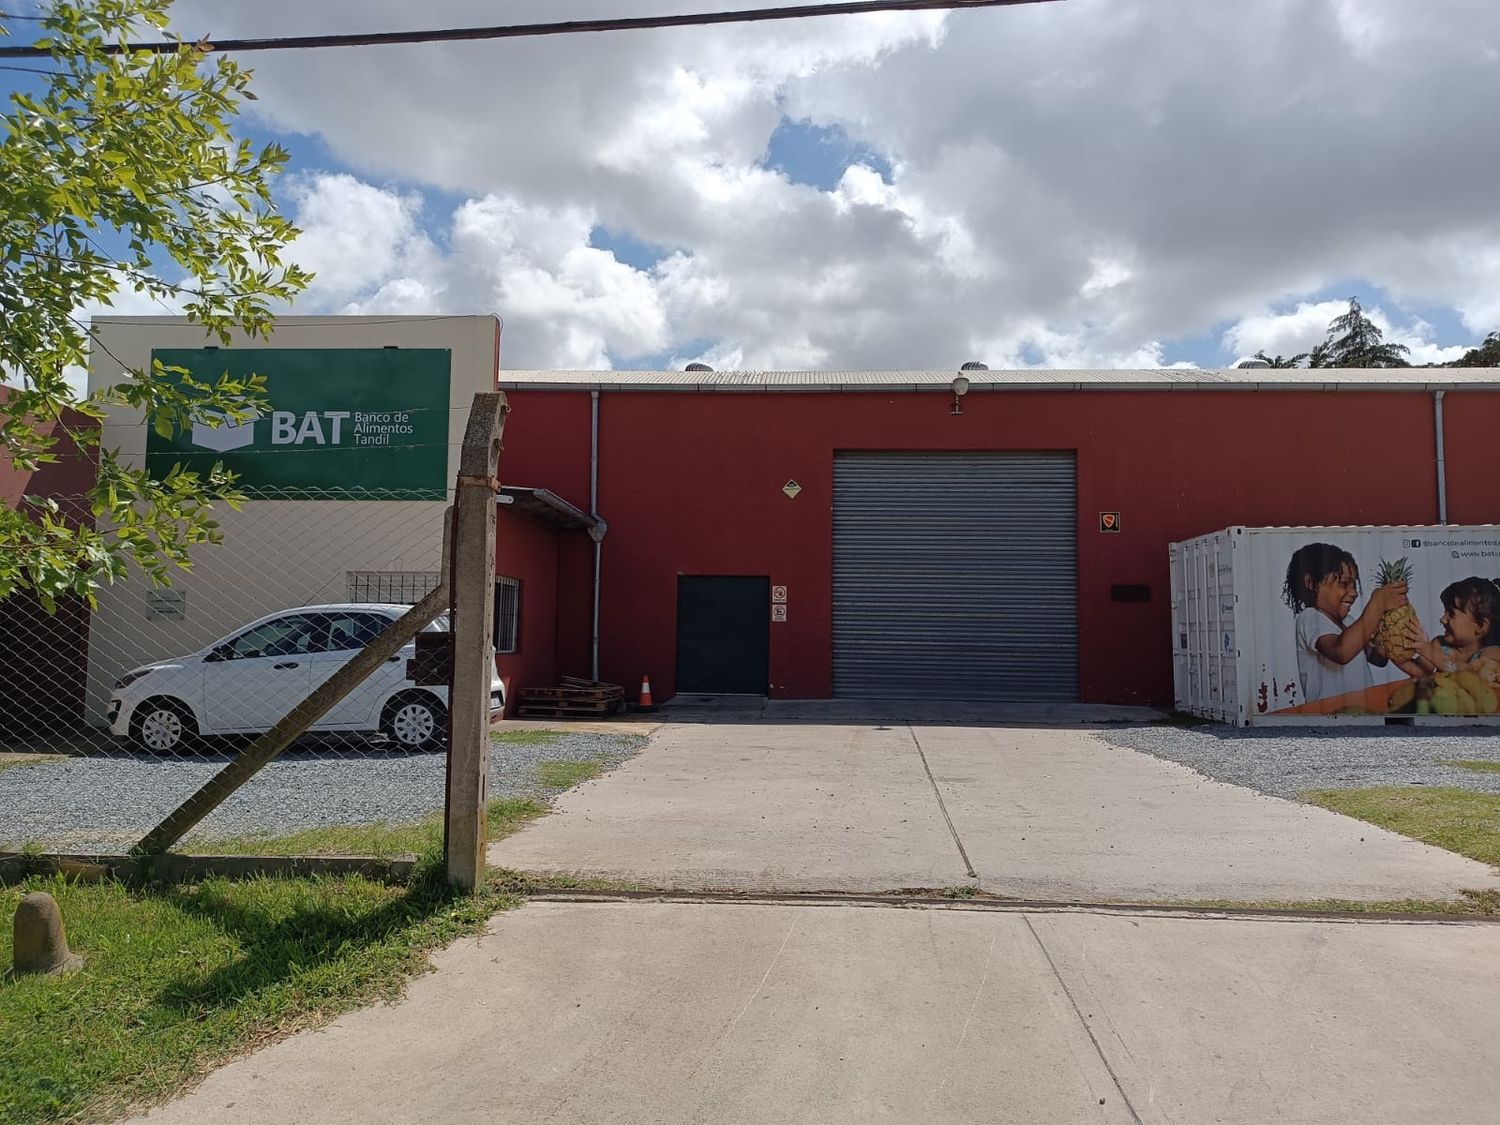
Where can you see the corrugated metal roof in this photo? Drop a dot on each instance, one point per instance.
(1156, 379)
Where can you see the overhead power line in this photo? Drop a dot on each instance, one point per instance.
(526, 30)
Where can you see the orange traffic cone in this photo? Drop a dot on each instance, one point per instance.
(645, 704)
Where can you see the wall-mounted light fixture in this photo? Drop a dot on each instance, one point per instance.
(961, 384)
(960, 388)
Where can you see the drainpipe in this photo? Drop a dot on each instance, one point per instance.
(596, 532)
(1442, 470)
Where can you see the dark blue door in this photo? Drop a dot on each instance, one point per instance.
(723, 635)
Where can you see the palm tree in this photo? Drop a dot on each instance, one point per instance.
(1281, 360)
(1354, 340)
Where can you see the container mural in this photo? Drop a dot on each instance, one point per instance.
(1327, 623)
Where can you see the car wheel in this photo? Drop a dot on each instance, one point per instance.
(163, 726)
(416, 722)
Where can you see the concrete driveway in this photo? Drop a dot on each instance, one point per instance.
(816, 799)
(754, 1012)
(750, 1014)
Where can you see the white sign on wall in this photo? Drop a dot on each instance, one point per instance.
(165, 605)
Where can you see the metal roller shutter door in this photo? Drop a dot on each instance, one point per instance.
(955, 576)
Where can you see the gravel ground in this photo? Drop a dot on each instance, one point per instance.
(1287, 760)
(106, 801)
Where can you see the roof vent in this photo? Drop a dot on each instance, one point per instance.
(1248, 363)
(697, 367)
(975, 365)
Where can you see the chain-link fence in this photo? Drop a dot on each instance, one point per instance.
(112, 716)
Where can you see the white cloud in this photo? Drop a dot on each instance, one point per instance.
(356, 239)
(570, 304)
(1363, 26)
(1075, 182)
(1287, 333)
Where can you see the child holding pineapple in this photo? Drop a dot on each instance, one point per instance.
(1471, 632)
(1334, 650)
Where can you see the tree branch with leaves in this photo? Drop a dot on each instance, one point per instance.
(133, 149)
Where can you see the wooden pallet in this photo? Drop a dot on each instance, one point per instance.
(568, 711)
(582, 695)
(574, 699)
(575, 682)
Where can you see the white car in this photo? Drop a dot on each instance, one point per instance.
(246, 682)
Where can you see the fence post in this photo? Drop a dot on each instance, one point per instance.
(472, 587)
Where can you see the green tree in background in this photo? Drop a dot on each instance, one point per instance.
(121, 175)
(1354, 340)
(1486, 354)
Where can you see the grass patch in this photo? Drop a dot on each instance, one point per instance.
(1472, 902)
(1477, 765)
(566, 774)
(179, 980)
(1460, 820)
(960, 892)
(383, 840)
(526, 737)
(525, 883)
(1183, 719)
(18, 761)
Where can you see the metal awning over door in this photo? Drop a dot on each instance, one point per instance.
(955, 576)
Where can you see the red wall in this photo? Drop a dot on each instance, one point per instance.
(692, 484)
(575, 606)
(72, 474)
(1469, 428)
(527, 551)
(44, 656)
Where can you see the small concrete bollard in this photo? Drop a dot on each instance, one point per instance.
(41, 945)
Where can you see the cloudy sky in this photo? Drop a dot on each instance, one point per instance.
(1085, 183)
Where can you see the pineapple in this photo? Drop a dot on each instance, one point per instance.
(1390, 637)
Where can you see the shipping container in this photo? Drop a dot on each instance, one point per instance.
(1291, 624)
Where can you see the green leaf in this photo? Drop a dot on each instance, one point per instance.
(104, 189)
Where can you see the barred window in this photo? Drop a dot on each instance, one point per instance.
(507, 615)
(394, 587)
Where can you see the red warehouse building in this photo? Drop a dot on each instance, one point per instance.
(879, 534)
